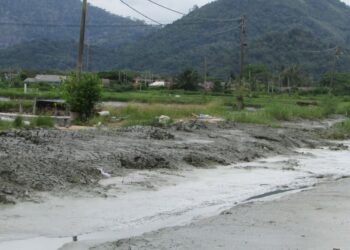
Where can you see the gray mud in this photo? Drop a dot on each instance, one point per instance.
(33, 161)
(314, 219)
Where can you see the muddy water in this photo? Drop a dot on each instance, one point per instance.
(132, 210)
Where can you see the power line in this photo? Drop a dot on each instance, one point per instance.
(37, 24)
(224, 31)
(167, 8)
(199, 18)
(318, 51)
(140, 13)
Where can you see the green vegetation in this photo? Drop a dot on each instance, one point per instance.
(14, 105)
(339, 131)
(274, 37)
(5, 125)
(18, 122)
(82, 94)
(273, 111)
(42, 122)
(188, 79)
(339, 82)
(13, 10)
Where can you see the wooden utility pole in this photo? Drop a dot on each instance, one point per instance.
(242, 45)
(81, 40)
(205, 70)
(335, 59)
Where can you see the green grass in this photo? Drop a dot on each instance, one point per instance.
(254, 118)
(42, 122)
(135, 114)
(4, 125)
(145, 106)
(339, 131)
(13, 105)
(32, 93)
(276, 109)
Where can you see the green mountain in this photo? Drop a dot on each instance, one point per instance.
(279, 32)
(61, 55)
(58, 20)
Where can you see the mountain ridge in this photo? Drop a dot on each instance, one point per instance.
(24, 21)
(277, 34)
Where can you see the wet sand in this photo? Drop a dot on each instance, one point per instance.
(314, 219)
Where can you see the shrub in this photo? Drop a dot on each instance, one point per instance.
(82, 94)
(339, 131)
(18, 122)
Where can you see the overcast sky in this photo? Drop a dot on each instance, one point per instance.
(161, 15)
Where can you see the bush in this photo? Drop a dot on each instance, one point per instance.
(339, 131)
(43, 122)
(18, 122)
(82, 94)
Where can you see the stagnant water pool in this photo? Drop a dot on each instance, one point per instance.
(187, 196)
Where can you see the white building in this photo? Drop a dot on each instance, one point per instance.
(157, 84)
(51, 79)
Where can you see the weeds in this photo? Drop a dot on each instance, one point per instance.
(4, 125)
(18, 122)
(339, 131)
(43, 122)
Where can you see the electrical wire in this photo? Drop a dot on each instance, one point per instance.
(167, 8)
(140, 13)
(317, 51)
(199, 18)
(72, 25)
(225, 31)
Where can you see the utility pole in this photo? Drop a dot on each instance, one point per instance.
(335, 59)
(88, 57)
(81, 40)
(242, 28)
(205, 70)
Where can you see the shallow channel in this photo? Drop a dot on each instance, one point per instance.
(190, 195)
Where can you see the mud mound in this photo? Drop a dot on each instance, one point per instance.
(50, 160)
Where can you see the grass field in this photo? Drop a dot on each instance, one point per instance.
(143, 107)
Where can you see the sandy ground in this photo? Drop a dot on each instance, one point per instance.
(314, 219)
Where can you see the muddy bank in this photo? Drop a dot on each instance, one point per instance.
(314, 219)
(34, 161)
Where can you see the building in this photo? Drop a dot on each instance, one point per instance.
(158, 84)
(50, 79)
(207, 86)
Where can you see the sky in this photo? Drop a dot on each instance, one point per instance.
(159, 14)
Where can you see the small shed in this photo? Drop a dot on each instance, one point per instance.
(157, 84)
(49, 79)
(51, 106)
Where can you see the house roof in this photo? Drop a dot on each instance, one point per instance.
(157, 84)
(46, 78)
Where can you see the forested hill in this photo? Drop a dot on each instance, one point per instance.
(278, 32)
(58, 20)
